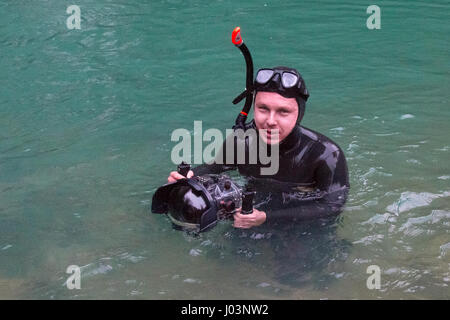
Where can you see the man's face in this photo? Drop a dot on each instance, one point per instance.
(274, 112)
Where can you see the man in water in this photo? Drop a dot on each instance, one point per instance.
(312, 179)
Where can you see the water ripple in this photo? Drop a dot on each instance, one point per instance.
(410, 200)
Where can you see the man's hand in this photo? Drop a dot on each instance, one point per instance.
(174, 176)
(246, 221)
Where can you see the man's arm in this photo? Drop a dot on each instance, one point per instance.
(220, 163)
(212, 168)
(280, 210)
(331, 176)
(331, 173)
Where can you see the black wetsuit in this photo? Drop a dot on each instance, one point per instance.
(312, 179)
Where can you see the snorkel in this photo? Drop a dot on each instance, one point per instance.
(248, 92)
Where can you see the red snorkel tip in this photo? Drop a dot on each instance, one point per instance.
(236, 36)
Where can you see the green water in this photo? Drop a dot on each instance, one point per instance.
(86, 117)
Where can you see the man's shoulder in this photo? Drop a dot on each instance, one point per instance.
(320, 139)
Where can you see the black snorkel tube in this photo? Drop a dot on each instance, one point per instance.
(248, 92)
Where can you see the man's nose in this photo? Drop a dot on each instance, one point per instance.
(271, 120)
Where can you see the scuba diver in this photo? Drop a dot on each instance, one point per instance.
(312, 178)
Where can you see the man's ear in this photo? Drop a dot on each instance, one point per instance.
(301, 109)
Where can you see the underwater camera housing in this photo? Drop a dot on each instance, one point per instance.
(198, 203)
